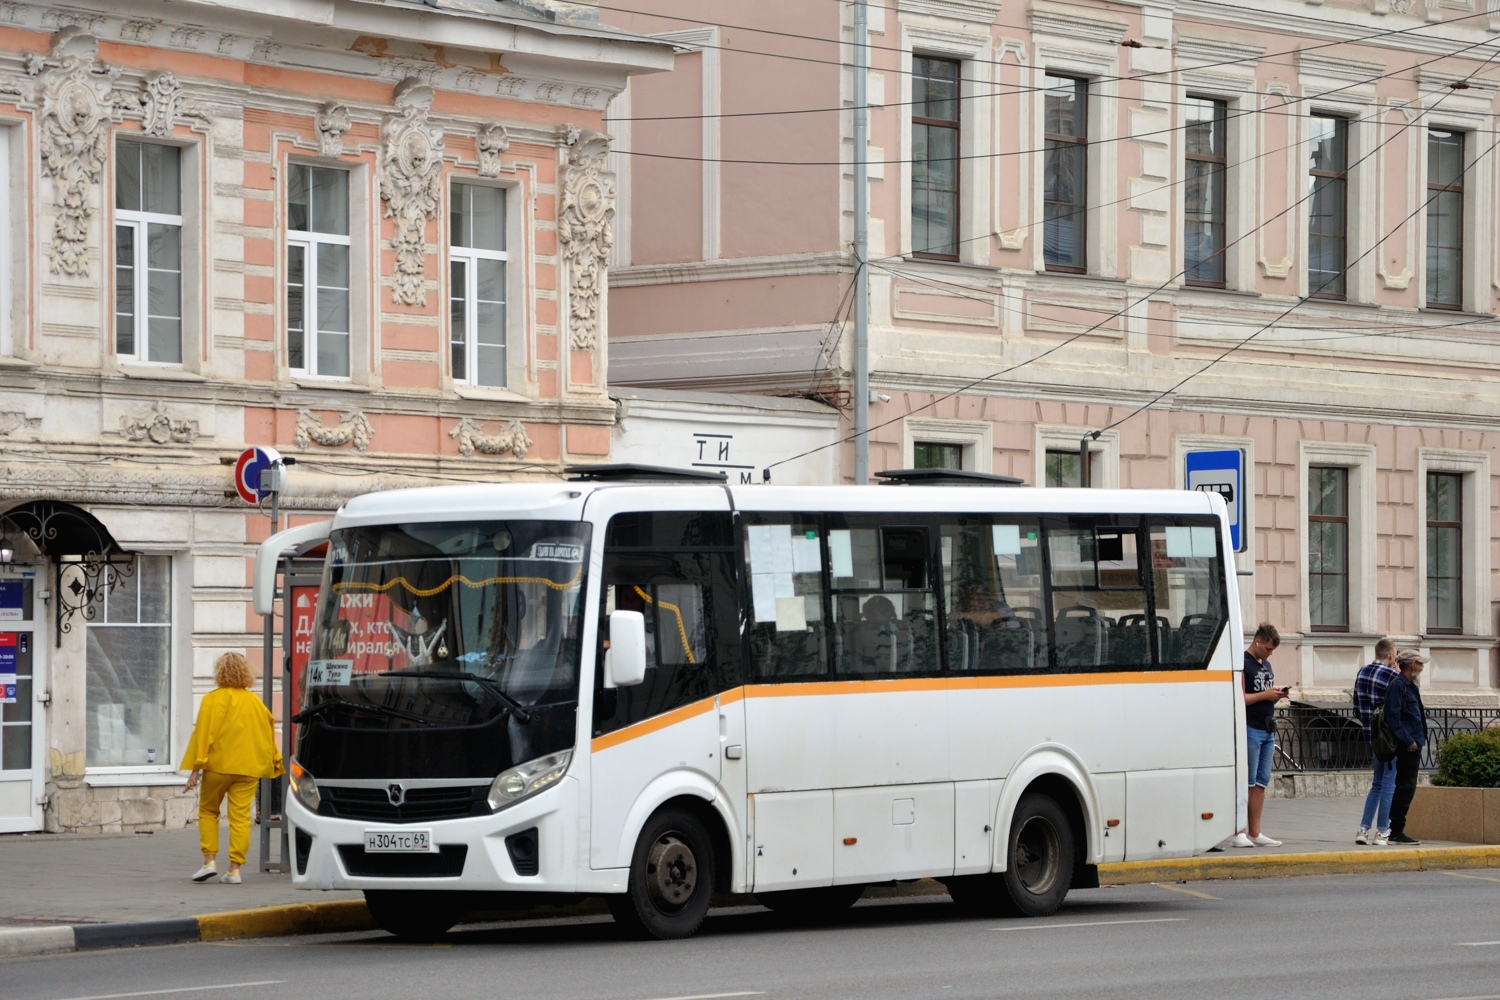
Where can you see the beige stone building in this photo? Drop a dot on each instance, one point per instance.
(371, 235)
(1182, 229)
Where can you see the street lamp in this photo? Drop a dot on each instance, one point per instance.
(7, 552)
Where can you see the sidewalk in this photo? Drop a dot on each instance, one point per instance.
(68, 882)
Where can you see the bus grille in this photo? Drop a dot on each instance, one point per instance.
(447, 862)
(422, 805)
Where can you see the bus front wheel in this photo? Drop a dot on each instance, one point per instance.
(1039, 867)
(415, 916)
(671, 878)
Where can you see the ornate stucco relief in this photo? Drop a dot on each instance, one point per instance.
(158, 427)
(585, 230)
(162, 103)
(333, 121)
(411, 170)
(353, 428)
(513, 439)
(76, 101)
(491, 140)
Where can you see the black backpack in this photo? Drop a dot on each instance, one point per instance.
(1381, 735)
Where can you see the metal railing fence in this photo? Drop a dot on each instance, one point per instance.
(1309, 738)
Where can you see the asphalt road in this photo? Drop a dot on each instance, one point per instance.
(1417, 936)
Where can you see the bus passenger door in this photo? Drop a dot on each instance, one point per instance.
(667, 730)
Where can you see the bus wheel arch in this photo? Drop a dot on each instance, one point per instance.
(686, 791)
(1053, 772)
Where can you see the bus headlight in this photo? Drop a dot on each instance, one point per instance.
(527, 779)
(303, 786)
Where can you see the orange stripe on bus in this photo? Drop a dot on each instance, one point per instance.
(818, 688)
(652, 724)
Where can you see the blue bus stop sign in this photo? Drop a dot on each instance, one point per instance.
(1222, 472)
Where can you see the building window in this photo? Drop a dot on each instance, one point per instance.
(148, 252)
(129, 668)
(1203, 193)
(1445, 561)
(931, 455)
(934, 157)
(1063, 469)
(1065, 201)
(1328, 547)
(1445, 219)
(1328, 220)
(317, 266)
(476, 296)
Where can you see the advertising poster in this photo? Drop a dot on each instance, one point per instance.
(7, 668)
(10, 602)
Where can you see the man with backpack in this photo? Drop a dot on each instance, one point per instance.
(1408, 722)
(1370, 685)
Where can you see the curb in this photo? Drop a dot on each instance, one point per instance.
(344, 915)
(1202, 869)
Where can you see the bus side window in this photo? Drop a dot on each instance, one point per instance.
(1100, 614)
(992, 589)
(785, 617)
(884, 608)
(1187, 572)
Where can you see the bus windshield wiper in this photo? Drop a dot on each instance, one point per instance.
(489, 683)
(325, 705)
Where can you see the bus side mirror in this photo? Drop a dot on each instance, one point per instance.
(625, 660)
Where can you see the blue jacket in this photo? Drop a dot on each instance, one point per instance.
(1403, 712)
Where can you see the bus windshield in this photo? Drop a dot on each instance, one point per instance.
(446, 624)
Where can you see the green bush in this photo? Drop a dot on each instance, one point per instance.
(1470, 760)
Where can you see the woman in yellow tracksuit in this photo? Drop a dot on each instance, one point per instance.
(233, 746)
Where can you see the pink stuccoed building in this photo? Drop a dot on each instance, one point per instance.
(1266, 230)
(371, 235)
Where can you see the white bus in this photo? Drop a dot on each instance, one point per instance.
(804, 691)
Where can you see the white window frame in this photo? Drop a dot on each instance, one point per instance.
(1360, 193)
(177, 639)
(1467, 111)
(972, 46)
(1054, 438)
(469, 256)
(138, 221)
(309, 243)
(1475, 469)
(976, 437)
(1359, 459)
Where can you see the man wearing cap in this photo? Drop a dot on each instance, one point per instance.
(1408, 722)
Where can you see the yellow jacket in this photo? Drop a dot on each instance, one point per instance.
(234, 734)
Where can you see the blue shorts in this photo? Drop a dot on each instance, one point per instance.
(1262, 747)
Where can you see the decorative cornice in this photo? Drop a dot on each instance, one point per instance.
(731, 269)
(967, 11)
(1077, 23)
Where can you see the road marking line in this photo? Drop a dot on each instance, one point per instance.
(716, 996)
(1482, 878)
(1487, 996)
(1186, 892)
(181, 989)
(1475, 944)
(1092, 923)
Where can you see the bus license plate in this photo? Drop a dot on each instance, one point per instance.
(398, 842)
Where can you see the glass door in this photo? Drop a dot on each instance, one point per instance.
(22, 739)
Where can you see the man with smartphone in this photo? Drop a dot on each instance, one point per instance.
(1261, 696)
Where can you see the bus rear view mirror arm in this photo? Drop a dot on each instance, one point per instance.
(625, 661)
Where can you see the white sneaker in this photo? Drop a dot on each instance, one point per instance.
(1241, 840)
(1363, 836)
(1382, 838)
(1261, 840)
(205, 873)
(230, 878)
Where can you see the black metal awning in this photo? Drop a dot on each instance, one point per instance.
(86, 559)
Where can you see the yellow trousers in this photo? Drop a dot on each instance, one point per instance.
(211, 792)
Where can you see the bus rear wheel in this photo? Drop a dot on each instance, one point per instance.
(811, 905)
(414, 916)
(1039, 866)
(671, 878)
